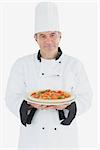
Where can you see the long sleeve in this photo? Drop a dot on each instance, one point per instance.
(15, 92)
(82, 89)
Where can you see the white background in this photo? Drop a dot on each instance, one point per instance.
(78, 23)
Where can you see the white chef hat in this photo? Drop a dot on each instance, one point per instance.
(46, 17)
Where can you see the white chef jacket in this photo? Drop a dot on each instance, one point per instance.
(66, 73)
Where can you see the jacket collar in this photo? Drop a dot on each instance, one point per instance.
(56, 58)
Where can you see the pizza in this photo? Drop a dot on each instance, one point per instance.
(50, 94)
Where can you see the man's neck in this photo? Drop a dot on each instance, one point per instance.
(56, 57)
(47, 56)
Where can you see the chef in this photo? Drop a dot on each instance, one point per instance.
(49, 68)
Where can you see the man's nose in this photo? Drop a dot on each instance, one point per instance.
(48, 40)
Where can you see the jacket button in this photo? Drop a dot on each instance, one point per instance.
(42, 73)
(59, 61)
(55, 128)
(43, 128)
(58, 75)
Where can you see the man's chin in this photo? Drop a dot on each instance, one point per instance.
(49, 49)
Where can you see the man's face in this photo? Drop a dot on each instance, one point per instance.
(48, 41)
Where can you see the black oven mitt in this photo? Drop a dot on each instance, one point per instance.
(25, 115)
(71, 114)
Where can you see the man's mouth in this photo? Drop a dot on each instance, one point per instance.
(49, 46)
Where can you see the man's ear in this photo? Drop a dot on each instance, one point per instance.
(35, 37)
(60, 35)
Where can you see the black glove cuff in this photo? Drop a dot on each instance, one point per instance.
(61, 114)
(24, 116)
(71, 115)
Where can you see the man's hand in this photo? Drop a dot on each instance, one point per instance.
(38, 106)
(60, 107)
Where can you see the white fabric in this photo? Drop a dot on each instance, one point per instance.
(46, 17)
(26, 75)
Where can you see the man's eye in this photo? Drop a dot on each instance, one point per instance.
(52, 34)
(42, 36)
